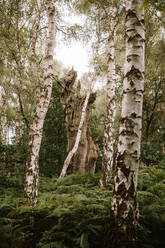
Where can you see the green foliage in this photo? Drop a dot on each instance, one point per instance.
(152, 207)
(157, 4)
(73, 212)
(153, 135)
(152, 152)
(54, 141)
(97, 124)
(12, 164)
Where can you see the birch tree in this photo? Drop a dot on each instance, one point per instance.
(43, 94)
(108, 140)
(124, 202)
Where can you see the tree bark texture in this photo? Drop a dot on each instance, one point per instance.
(124, 203)
(4, 123)
(82, 151)
(43, 95)
(108, 140)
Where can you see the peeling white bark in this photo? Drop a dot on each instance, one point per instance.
(42, 102)
(108, 140)
(124, 205)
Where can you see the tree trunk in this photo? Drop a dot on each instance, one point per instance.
(77, 141)
(80, 144)
(108, 140)
(124, 203)
(43, 95)
(0, 128)
(85, 160)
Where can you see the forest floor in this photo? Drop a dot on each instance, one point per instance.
(74, 212)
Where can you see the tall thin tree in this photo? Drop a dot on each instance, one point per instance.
(107, 162)
(124, 202)
(43, 94)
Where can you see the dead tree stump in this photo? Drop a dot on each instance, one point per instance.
(84, 160)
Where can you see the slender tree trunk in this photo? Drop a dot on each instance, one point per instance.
(151, 116)
(0, 128)
(43, 98)
(108, 152)
(78, 137)
(17, 124)
(4, 121)
(124, 203)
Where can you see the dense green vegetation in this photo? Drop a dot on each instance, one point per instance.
(73, 212)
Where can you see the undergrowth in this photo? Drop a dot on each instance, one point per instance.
(73, 213)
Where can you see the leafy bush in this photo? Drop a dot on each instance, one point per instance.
(70, 213)
(152, 207)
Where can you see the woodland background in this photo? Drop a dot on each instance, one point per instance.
(74, 211)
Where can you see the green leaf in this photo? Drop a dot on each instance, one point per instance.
(145, 5)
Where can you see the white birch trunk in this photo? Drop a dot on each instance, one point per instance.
(5, 130)
(108, 140)
(43, 98)
(124, 203)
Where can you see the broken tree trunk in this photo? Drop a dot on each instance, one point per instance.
(82, 151)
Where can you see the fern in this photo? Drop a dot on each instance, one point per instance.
(73, 212)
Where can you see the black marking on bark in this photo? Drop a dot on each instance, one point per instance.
(132, 83)
(128, 59)
(130, 215)
(133, 55)
(121, 209)
(121, 164)
(130, 29)
(133, 37)
(120, 160)
(138, 22)
(128, 133)
(120, 143)
(126, 171)
(134, 72)
(121, 189)
(117, 179)
(131, 190)
(133, 115)
(135, 155)
(129, 127)
(131, 13)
